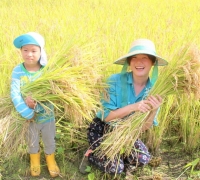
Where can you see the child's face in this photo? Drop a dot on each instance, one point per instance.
(30, 54)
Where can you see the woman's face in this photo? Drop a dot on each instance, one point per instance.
(140, 65)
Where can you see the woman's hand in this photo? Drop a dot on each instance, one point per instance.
(30, 102)
(151, 103)
(155, 101)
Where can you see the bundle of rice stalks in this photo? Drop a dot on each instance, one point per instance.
(72, 82)
(182, 75)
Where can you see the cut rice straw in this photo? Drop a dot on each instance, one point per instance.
(12, 129)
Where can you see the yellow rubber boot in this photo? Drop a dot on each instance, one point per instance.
(35, 164)
(52, 165)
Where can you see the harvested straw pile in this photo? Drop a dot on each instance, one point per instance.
(12, 128)
(72, 82)
(181, 76)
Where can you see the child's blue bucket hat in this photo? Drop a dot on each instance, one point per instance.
(29, 38)
(34, 39)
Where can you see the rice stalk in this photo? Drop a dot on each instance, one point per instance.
(189, 123)
(12, 128)
(73, 135)
(181, 76)
(154, 136)
(13, 131)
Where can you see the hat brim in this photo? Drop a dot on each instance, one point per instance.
(23, 40)
(121, 60)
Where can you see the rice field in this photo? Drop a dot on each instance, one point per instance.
(83, 39)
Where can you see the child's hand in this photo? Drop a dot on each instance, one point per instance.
(32, 119)
(30, 102)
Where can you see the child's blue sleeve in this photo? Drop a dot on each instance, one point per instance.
(18, 100)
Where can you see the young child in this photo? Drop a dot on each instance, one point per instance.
(31, 46)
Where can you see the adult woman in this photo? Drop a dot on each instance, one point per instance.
(127, 94)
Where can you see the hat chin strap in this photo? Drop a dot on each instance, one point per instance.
(154, 75)
(125, 67)
(124, 84)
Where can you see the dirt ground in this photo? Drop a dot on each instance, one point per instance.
(169, 165)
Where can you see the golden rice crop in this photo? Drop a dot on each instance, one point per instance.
(189, 123)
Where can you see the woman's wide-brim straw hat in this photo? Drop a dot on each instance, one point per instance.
(142, 46)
